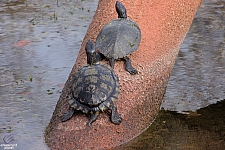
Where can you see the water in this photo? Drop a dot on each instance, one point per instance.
(198, 76)
(200, 130)
(32, 74)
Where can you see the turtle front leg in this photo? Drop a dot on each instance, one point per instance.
(94, 116)
(66, 116)
(129, 67)
(115, 116)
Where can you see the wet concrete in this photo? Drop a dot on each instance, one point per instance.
(141, 94)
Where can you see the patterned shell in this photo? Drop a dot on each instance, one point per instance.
(92, 85)
(118, 38)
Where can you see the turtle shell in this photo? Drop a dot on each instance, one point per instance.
(93, 85)
(118, 38)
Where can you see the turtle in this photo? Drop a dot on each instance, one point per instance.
(93, 89)
(119, 38)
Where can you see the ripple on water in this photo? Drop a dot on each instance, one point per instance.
(197, 79)
(32, 73)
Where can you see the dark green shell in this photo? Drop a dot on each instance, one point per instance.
(118, 38)
(93, 85)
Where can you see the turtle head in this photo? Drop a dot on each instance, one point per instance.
(90, 52)
(121, 10)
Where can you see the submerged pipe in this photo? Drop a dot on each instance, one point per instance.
(164, 25)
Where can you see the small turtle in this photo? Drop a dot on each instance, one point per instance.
(119, 38)
(94, 88)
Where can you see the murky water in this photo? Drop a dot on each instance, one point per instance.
(198, 77)
(200, 130)
(40, 40)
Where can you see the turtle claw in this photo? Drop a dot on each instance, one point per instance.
(93, 118)
(116, 119)
(129, 67)
(131, 70)
(66, 116)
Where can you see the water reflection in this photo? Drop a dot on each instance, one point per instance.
(200, 130)
(198, 76)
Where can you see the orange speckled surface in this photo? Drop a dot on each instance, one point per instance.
(164, 24)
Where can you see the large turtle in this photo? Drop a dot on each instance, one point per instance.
(93, 89)
(119, 38)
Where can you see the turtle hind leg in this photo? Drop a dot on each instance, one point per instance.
(94, 116)
(115, 116)
(99, 57)
(129, 67)
(66, 116)
(112, 62)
